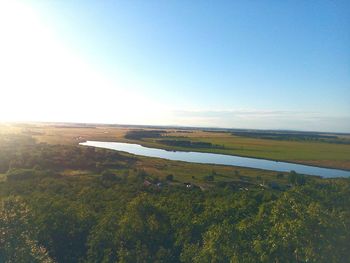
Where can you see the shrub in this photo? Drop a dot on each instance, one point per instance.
(280, 175)
(108, 176)
(170, 177)
(20, 174)
(209, 178)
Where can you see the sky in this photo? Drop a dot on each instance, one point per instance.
(233, 64)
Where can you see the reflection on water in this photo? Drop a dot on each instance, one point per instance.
(212, 158)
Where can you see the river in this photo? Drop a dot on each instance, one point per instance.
(222, 159)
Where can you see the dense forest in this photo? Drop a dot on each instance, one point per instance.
(49, 216)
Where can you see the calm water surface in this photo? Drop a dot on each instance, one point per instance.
(213, 158)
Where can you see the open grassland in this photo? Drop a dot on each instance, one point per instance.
(305, 152)
(198, 173)
(308, 152)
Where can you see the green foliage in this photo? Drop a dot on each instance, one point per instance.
(280, 175)
(102, 242)
(209, 178)
(25, 153)
(95, 218)
(141, 134)
(292, 136)
(81, 221)
(141, 175)
(303, 229)
(296, 179)
(18, 242)
(63, 227)
(106, 175)
(144, 233)
(218, 244)
(20, 174)
(189, 144)
(170, 177)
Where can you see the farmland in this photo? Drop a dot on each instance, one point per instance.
(318, 153)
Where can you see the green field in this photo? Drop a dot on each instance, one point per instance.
(323, 154)
(22, 146)
(314, 153)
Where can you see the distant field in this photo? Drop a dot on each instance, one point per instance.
(306, 152)
(72, 161)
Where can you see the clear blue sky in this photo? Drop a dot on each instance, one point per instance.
(249, 64)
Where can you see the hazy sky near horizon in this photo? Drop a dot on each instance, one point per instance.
(239, 64)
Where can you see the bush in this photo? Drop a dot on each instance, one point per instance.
(20, 174)
(209, 178)
(108, 176)
(170, 177)
(142, 174)
(280, 175)
(296, 179)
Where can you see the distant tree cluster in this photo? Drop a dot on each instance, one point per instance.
(142, 134)
(189, 144)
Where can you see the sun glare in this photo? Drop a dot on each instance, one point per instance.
(41, 79)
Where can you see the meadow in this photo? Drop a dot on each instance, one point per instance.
(318, 153)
